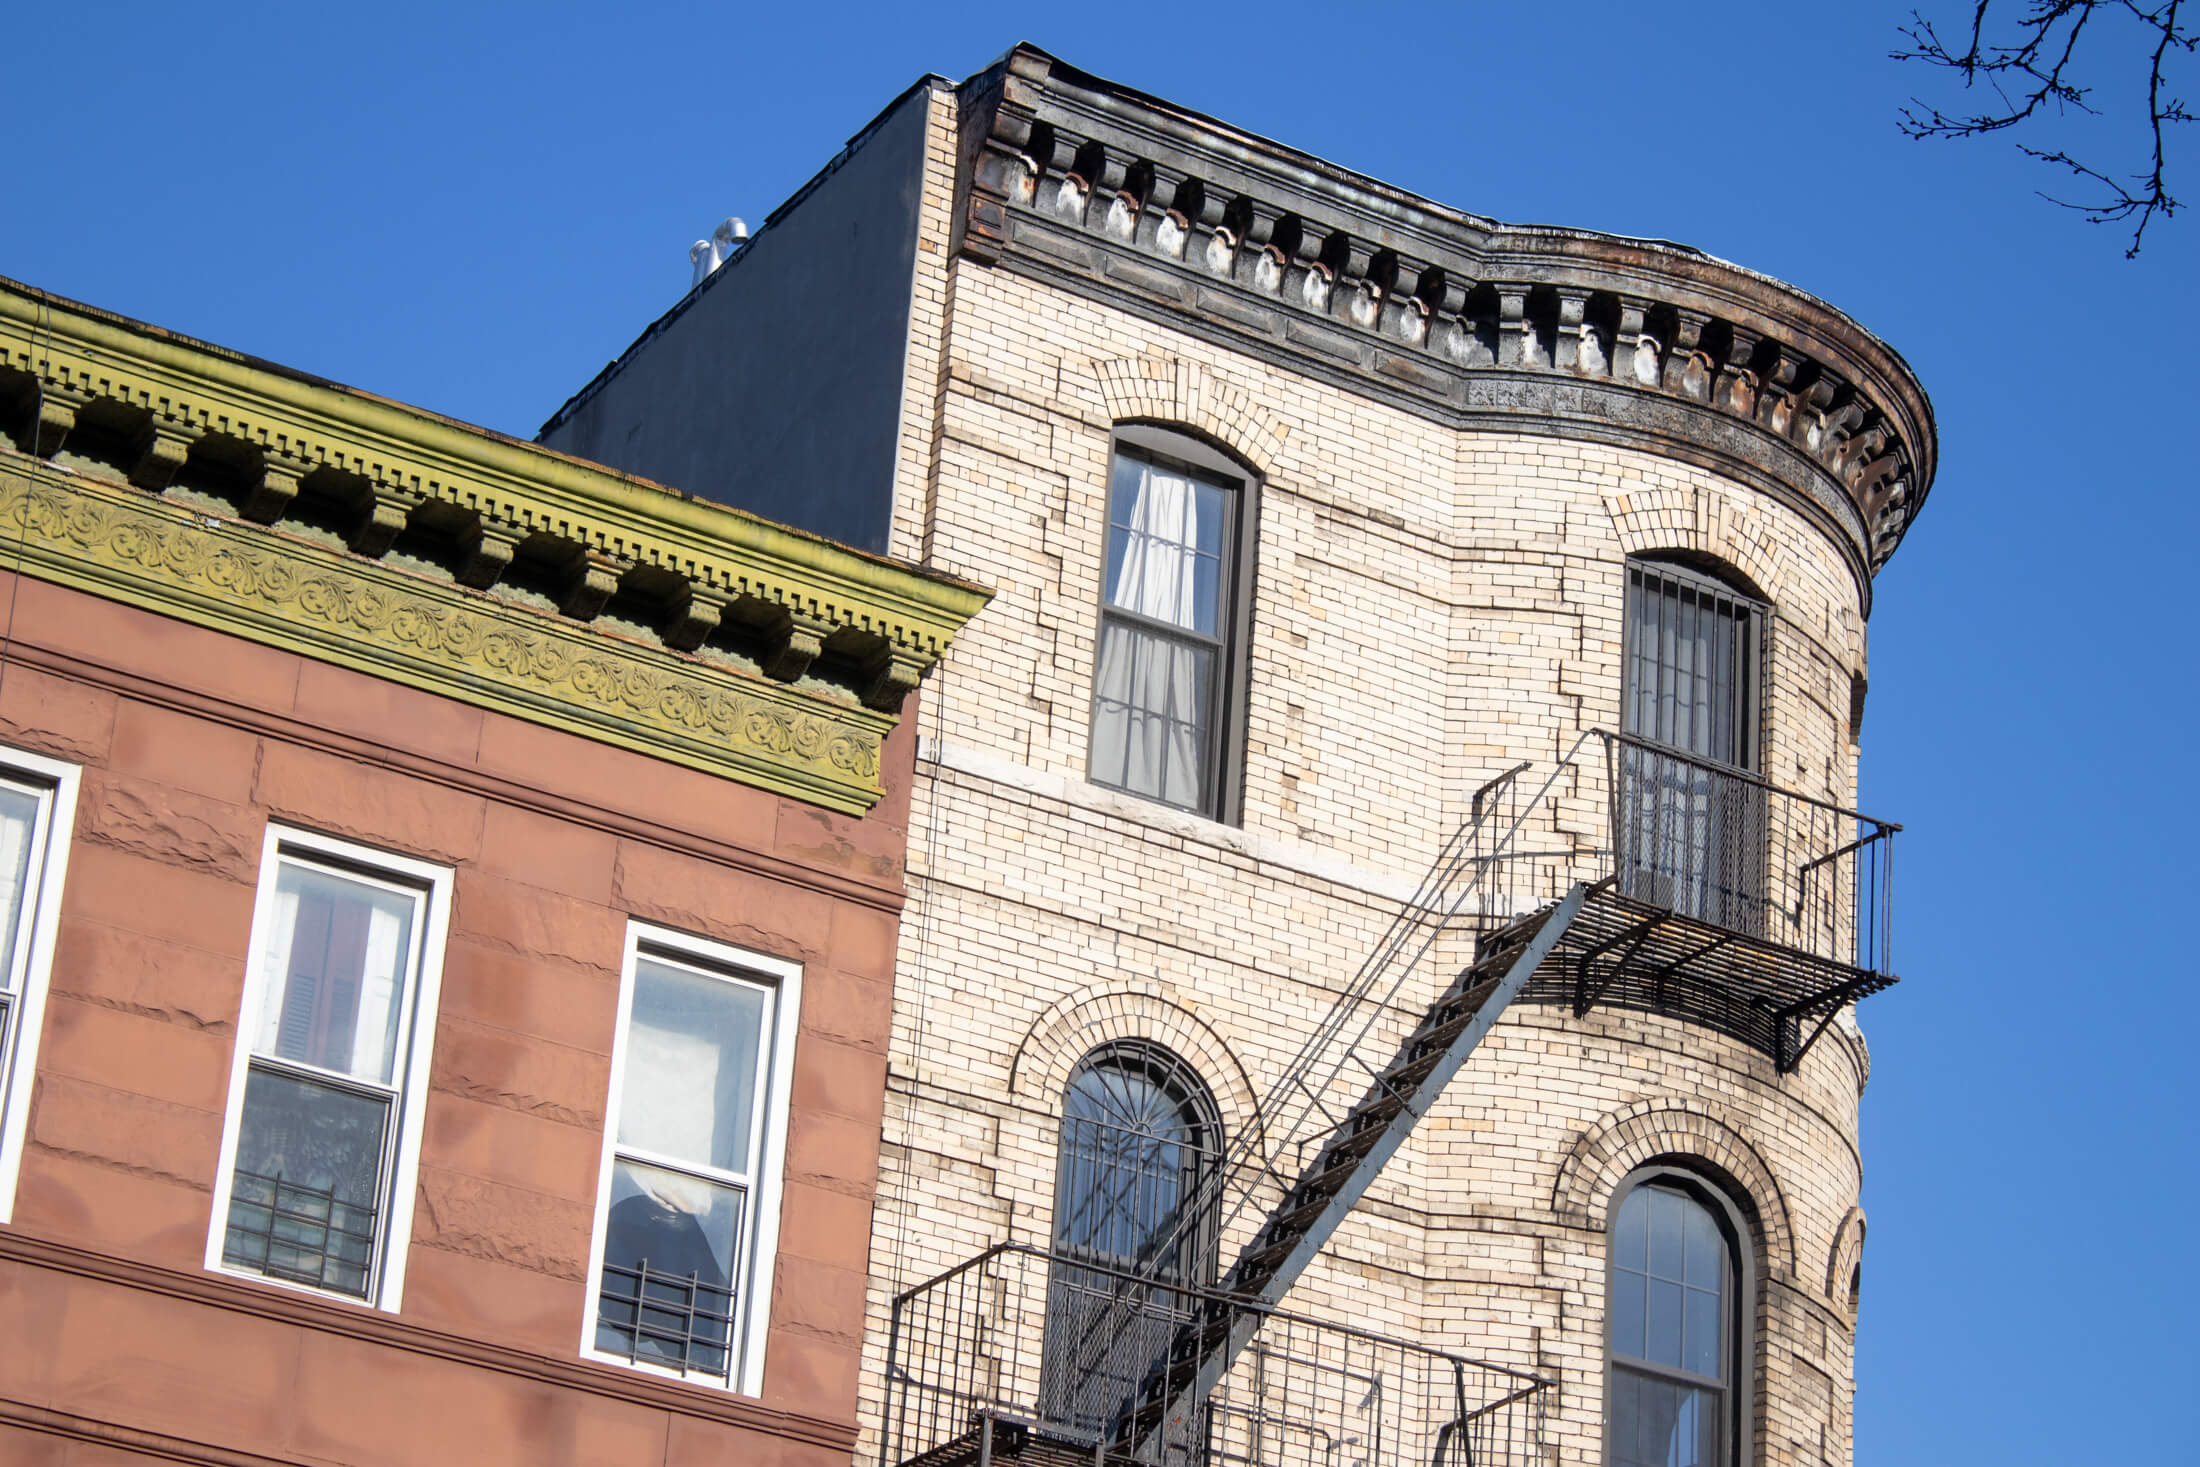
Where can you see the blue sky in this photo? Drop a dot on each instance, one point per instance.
(473, 208)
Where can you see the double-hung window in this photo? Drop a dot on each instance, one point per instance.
(687, 1201)
(37, 811)
(1674, 1326)
(320, 1151)
(1171, 635)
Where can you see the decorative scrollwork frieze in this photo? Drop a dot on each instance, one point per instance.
(236, 578)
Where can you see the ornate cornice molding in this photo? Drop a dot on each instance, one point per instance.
(235, 577)
(1561, 332)
(194, 482)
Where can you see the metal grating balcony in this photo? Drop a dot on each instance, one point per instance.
(1725, 900)
(985, 1365)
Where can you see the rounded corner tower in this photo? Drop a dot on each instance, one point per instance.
(1386, 899)
(1340, 536)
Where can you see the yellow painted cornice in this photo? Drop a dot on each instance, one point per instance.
(197, 482)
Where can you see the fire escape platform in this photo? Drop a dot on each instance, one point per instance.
(1621, 952)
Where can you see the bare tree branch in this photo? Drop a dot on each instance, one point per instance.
(2029, 67)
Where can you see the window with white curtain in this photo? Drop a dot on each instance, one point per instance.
(687, 1206)
(37, 810)
(321, 1147)
(1168, 656)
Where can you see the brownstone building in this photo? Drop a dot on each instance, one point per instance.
(450, 927)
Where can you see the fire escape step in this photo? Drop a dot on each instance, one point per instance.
(1357, 1150)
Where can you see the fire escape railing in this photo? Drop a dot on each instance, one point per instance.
(977, 1371)
(1732, 850)
(1710, 895)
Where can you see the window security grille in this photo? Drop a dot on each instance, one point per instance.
(1690, 836)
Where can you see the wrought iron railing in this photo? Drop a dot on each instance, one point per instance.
(985, 1362)
(676, 1321)
(1730, 849)
(306, 1235)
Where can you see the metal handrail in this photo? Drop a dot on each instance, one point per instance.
(1736, 772)
(1220, 1297)
(979, 1344)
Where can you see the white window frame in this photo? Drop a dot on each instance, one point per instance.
(416, 1032)
(55, 784)
(752, 1277)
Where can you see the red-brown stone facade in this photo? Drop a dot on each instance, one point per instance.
(122, 1346)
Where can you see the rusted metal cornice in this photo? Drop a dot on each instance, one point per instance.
(1464, 319)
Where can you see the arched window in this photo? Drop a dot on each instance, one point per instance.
(1676, 1324)
(1167, 683)
(1133, 1195)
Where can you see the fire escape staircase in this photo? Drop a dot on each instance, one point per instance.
(1349, 1161)
(1721, 899)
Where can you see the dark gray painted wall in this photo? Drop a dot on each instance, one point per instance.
(777, 386)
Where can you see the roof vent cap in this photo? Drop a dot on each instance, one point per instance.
(706, 255)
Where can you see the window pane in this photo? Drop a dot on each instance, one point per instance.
(18, 820)
(691, 1073)
(335, 966)
(670, 1244)
(1631, 1238)
(1702, 1332)
(309, 1167)
(1668, 1222)
(1150, 727)
(1664, 1333)
(1630, 1304)
(1164, 543)
(1658, 1423)
(1706, 1251)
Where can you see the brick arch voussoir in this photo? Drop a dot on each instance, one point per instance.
(1172, 390)
(1841, 1260)
(1602, 1156)
(1725, 526)
(1076, 1024)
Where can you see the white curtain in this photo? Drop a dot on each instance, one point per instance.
(1158, 573)
(374, 1041)
(18, 818)
(671, 1078)
(275, 970)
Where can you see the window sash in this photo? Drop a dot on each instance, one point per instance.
(1694, 654)
(34, 855)
(310, 1111)
(302, 1193)
(675, 1323)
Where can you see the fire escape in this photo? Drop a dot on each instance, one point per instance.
(1709, 894)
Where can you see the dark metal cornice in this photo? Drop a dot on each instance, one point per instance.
(1474, 323)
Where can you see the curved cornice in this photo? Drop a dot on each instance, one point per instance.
(199, 483)
(1560, 332)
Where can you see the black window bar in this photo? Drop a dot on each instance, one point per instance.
(672, 1320)
(303, 1235)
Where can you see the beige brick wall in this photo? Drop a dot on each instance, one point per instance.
(1430, 607)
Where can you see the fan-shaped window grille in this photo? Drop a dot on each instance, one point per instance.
(1134, 1211)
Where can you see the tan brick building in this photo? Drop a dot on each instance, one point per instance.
(1381, 590)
